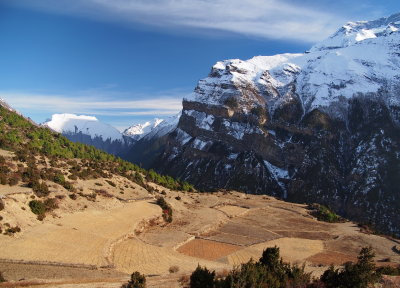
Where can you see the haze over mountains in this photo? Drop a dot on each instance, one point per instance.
(322, 126)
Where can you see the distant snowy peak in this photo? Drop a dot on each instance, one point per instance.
(88, 125)
(139, 130)
(354, 32)
(164, 127)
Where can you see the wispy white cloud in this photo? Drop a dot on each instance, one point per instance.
(260, 18)
(49, 104)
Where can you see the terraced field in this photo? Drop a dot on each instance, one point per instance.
(105, 236)
(294, 250)
(134, 255)
(206, 249)
(80, 238)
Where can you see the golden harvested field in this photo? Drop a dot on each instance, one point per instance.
(134, 255)
(100, 242)
(294, 250)
(79, 238)
(232, 210)
(206, 249)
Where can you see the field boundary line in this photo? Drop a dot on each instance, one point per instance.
(49, 263)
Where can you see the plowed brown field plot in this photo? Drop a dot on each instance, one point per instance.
(239, 234)
(331, 257)
(134, 255)
(278, 220)
(205, 249)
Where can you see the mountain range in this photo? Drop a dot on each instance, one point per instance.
(320, 126)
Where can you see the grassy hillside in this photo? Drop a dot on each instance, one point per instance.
(28, 140)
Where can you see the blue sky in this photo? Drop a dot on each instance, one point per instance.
(128, 61)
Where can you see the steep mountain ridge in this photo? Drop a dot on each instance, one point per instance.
(316, 127)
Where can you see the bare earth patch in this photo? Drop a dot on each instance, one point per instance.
(331, 257)
(205, 249)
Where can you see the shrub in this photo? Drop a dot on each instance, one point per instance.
(37, 207)
(50, 204)
(323, 213)
(68, 185)
(111, 183)
(202, 278)
(59, 178)
(173, 269)
(13, 230)
(3, 179)
(388, 270)
(1, 205)
(73, 177)
(103, 193)
(39, 188)
(166, 209)
(137, 281)
(270, 271)
(2, 279)
(14, 179)
(73, 196)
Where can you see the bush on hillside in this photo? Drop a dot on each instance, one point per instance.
(323, 213)
(1, 205)
(39, 188)
(40, 208)
(137, 281)
(37, 207)
(166, 209)
(2, 279)
(202, 278)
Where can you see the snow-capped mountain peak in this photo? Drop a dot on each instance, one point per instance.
(88, 125)
(359, 58)
(354, 32)
(137, 131)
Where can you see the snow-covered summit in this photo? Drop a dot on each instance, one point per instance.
(362, 57)
(88, 125)
(137, 131)
(354, 32)
(164, 127)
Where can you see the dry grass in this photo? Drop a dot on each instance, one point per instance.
(134, 255)
(78, 238)
(293, 250)
(233, 211)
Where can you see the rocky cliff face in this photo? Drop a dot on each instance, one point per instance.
(316, 127)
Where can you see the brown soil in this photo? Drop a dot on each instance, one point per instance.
(331, 257)
(206, 249)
